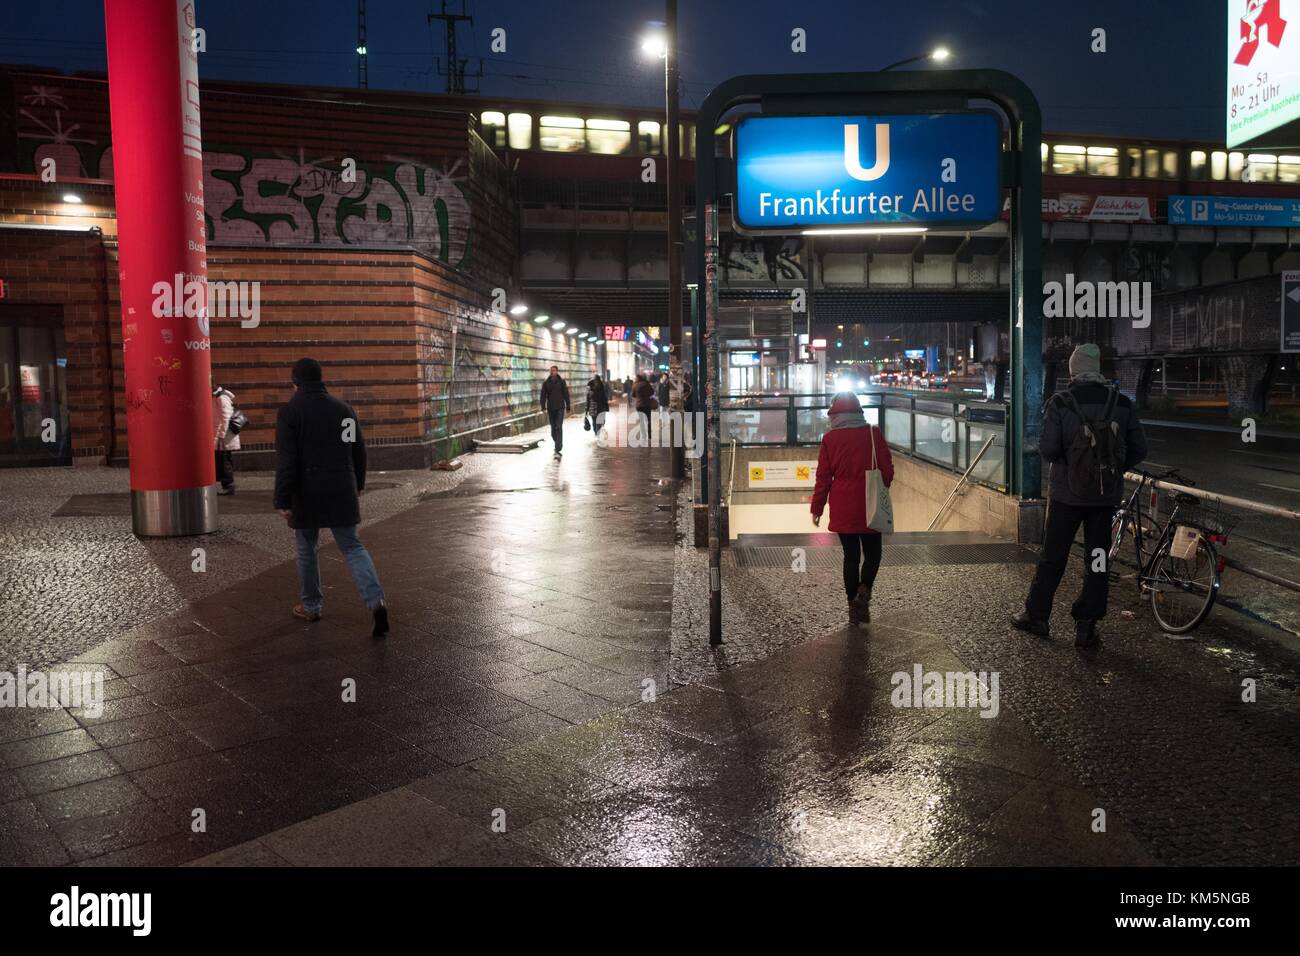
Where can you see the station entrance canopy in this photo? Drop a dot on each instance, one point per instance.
(845, 153)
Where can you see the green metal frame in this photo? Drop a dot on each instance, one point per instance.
(913, 92)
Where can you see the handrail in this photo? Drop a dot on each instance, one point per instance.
(1229, 500)
(944, 507)
(731, 481)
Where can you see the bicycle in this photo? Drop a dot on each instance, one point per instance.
(1182, 569)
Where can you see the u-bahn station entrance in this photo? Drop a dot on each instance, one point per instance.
(634, 667)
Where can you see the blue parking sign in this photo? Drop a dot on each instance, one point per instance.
(919, 170)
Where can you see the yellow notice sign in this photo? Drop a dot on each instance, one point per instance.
(782, 474)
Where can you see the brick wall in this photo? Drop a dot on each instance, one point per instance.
(62, 274)
(386, 279)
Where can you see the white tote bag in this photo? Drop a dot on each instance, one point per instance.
(880, 509)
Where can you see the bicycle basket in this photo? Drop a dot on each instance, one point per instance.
(1208, 516)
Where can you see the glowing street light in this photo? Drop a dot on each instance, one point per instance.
(518, 309)
(939, 54)
(655, 45)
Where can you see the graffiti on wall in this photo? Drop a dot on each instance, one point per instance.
(256, 199)
(499, 367)
(280, 201)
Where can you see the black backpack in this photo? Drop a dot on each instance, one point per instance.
(238, 420)
(1094, 458)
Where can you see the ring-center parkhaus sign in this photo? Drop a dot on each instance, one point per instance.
(796, 173)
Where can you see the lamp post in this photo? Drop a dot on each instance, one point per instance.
(938, 54)
(666, 46)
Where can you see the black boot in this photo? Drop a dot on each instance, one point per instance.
(381, 621)
(863, 601)
(855, 617)
(1085, 634)
(1023, 622)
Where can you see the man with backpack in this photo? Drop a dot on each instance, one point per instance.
(1091, 436)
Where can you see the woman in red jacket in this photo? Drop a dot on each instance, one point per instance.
(842, 465)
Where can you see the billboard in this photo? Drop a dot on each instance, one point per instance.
(797, 172)
(1263, 75)
(1259, 211)
(1091, 207)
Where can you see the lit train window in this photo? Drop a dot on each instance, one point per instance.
(1218, 165)
(688, 142)
(609, 137)
(1103, 161)
(493, 125)
(562, 134)
(1288, 169)
(1042, 147)
(1196, 165)
(1260, 168)
(1169, 164)
(1236, 163)
(1068, 160)
(1133, 163)
(647, 136)
(520, 126)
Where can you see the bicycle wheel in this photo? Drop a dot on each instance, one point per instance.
(1183, 590)
(1124, 525)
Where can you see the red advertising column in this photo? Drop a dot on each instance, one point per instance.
(158, 167)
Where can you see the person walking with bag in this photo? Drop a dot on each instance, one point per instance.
(1091, 436)
(597, 404)
(319, 474)
(226, 440)
(854, 471)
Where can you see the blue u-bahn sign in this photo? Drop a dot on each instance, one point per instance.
(934, 169)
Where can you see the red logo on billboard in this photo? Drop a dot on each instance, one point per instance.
(1262, 16)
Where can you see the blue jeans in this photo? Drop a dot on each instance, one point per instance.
(358, 558)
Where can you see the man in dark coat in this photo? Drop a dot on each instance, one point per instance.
(555, 402)
(320, 472)
(1068, 508)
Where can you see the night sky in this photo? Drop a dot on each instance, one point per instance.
(1162, 74)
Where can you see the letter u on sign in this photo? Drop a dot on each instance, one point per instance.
(853, 158)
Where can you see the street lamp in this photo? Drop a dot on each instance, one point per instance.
(939, 54)
(664, 44)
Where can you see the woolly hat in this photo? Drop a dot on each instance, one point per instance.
(1085, 359)
(306, 370)
(844, 402)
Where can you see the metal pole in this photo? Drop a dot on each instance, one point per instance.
(710, 238)
(674, 184)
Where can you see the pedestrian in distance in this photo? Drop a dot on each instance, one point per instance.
(225, 441)
(643, 394)
(597, 403)
(320, 473)
(850, 449)
(1091, 436)
(555, 403)
(627, 391)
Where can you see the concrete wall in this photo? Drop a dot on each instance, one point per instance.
(918, 492)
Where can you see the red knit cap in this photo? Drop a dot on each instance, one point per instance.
(844, 402)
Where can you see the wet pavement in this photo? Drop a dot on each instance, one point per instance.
(547, 696)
